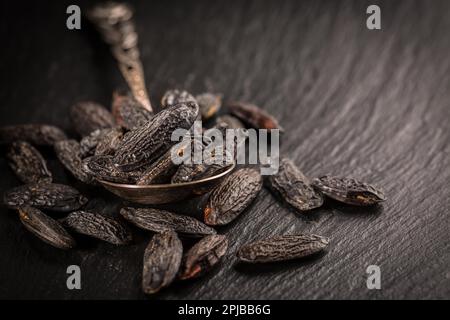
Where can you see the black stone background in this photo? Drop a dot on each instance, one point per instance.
(369, 104)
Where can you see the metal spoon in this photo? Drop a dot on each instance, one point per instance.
(165, 193)
(115, 23)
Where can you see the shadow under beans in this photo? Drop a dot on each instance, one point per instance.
(84, 242)
(351, 210)
(256, 269)
(313, 215)
(190, 284)
(182, 288)
(308, 216)
(46, 251)
(140, 236)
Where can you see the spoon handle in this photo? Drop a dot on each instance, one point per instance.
(115, 23)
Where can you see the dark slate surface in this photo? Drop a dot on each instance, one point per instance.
(371, 104)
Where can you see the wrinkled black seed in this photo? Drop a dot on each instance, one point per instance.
(108, 144)
(162, 259)
(103, 168)
(203, 256)
(36, 134)
(145, 144)
(28, 163)
(89, 143)
(232, 196)
(51, 196)
(98, 226)
(282, 248)
(128, 112)
(350, 191)
(157, 220)
(291, 186)
(45, 228)
(69, 153)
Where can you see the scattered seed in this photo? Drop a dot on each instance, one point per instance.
(51, 196)
(291, 185)
(349, 190)
(282, 248)
(28, 163)
(69, 153)
(254, 116)
(203, 256)
(98, 226)
(45, 228)
(162, 259)
(157, 220)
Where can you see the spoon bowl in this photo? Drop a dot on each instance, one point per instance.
(166, 193)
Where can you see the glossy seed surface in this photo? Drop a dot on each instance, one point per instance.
(45, 228)
(27, 163)
(162, 259)
(282, 248)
